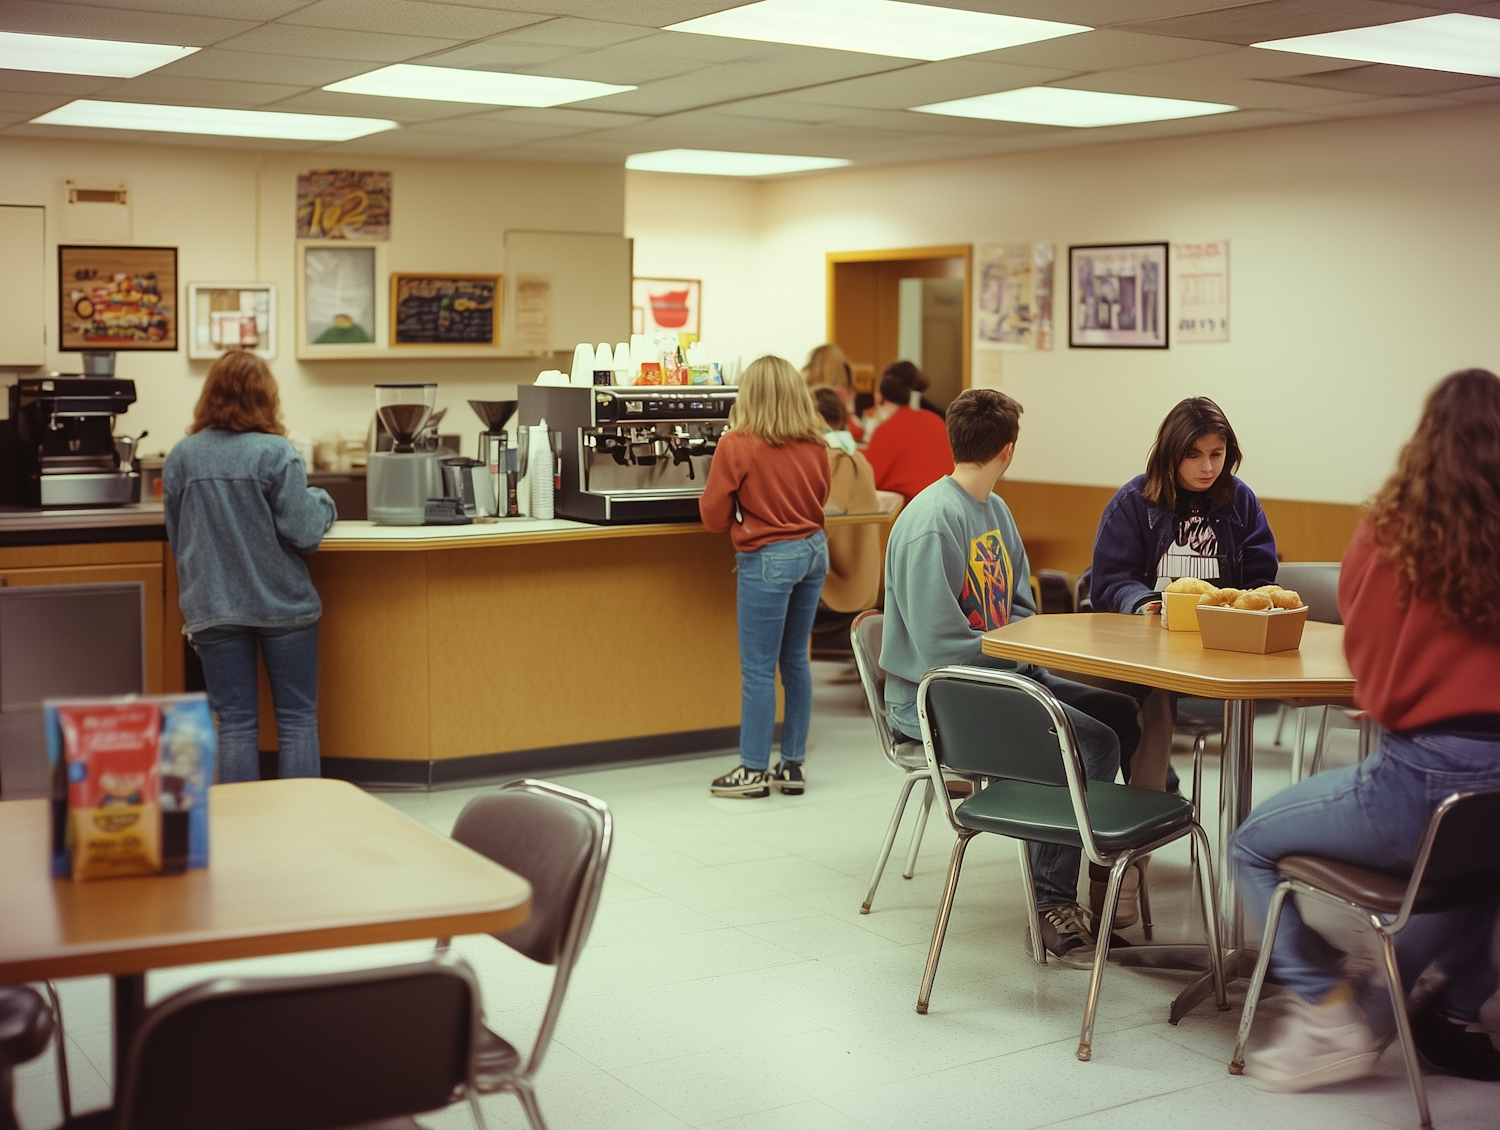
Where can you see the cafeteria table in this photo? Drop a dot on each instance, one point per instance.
(1137, 649)
(294, 865)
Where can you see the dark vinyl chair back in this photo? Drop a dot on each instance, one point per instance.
(1458, 861)
(304, 1053)
(1057, 592)
(1317, 583)
(998, 729)
(867, 635)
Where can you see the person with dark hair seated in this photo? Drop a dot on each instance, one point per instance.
(956, 568)
(909, 449)
(853, 581)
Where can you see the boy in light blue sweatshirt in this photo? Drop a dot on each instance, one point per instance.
(956, 568)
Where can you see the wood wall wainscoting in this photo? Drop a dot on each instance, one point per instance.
(1058, 522)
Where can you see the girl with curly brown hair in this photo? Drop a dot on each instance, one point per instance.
(1422, 636)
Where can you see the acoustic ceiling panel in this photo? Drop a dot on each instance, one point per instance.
(1281, 19)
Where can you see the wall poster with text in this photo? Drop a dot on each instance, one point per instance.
(1200, 291)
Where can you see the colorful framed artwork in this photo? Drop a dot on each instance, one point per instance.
(117, 298)
(343, 204)
(666, 304)
(341, 305)
(1013, 295)
(1118, 296)
(225, 316)
(430, 309)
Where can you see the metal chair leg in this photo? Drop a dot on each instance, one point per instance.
(529, 1105)
(1258, 978)
(1317, 761)
(1200, 746)
(1403, 1027)
(476, 1112)
(890, 838)
(917, 832)
(1211, 918)
(1282, 709)
(1145, 896)
(1299, 743)
(940, 928)
(1101, 955)
(60, 1035)
(1038, 950)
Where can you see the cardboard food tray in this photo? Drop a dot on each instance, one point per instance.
(1180, 611)
(1236, 629)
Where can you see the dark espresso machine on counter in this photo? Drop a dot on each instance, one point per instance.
(631, 454)
(58, 448)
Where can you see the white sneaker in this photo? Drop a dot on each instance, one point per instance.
(1314, 1047)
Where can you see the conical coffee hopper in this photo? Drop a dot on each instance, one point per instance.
(494, 413)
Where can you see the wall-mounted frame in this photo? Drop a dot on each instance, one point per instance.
(342, 303)
(445, 310)
(117, 298)
(231, 315)
(1117, 296)
(674, 305)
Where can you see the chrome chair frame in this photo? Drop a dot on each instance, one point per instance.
(1118, 864)
(1384, 931)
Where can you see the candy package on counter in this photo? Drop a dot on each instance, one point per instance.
(131, 778)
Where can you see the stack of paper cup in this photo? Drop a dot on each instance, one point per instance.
(583, 364)
(604, 364)
(539, 471)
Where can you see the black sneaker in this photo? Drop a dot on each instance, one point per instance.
(744, 782)
(1450, 1046)
(788, 777)
(1066, 935)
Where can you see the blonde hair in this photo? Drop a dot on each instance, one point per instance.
(774, 404)
(828, 367)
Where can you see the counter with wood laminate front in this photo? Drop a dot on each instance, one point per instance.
(453, 653)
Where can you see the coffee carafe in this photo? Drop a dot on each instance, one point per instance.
(400, 481)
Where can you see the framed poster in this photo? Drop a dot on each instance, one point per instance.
(343, 204)
(1200, 291)
(445, 309)
(1118, 296)
(116, 298)
(1013, 295)
(666, 304)
(223, 316)
(341, 300)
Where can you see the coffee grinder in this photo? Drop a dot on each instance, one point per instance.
(400, 481)
(493, 444)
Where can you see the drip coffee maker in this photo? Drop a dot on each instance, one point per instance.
(493, 444)
(400, 481)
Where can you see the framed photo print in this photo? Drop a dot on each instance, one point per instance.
(1118, 296)
(224, 316)
(342, 305)
(117, 298)
(666, 304)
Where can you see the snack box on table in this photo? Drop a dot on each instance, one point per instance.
(1236, 629)
(130, 784)
(1179, 611)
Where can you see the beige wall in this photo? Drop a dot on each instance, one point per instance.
(230, 214)
(1362, 270)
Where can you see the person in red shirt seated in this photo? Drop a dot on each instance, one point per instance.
(1422, 636)
(909, 449)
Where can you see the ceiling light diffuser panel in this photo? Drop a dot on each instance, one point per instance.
(490, 88)
(64, 55)
(877, 27)
(720, 163)
(1465, 45)
(211, 122)
(1079, 109)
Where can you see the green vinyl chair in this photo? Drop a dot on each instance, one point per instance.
(1013, 733)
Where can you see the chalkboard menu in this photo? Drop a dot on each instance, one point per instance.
(445, 309)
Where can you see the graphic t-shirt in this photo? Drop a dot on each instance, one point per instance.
(955, 568)
(1194, 551)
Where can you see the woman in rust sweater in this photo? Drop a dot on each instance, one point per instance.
(1422, 635)
(767, 485)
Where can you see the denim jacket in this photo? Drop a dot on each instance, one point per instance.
(239, 511)
(1134, 533)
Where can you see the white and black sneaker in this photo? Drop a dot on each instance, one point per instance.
(789, 777)
(1066, 935)
(744, 782)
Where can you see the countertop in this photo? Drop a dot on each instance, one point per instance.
(25, 518)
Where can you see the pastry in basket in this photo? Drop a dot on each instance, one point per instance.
(1191, 584)
(1220, 598)
(1252, 601)
(1286, 598)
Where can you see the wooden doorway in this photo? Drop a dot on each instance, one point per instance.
(865, 309)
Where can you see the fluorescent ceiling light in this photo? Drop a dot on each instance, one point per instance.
(1466, 45)
(62, 55)
(876, 27)
(207, 120)
(1059, 106)
(718, 163)
(454, 84)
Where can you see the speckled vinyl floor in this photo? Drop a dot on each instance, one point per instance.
(731, 982)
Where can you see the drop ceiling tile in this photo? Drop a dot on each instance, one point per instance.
(617, 65)
(10, 119)
(23, 102)
(192, 141)
(644, 13)
(783, 108)
(933, 125)
(325, 43)
(916, 84)
(1103, 50)
(410, 17)
(175, 91)
(1092, 13)
(1478, 94)
(1281, 19)
(1247, 94)
(721, 49)
(242, 9)
(487, 131)
(405, 143)
(569, 32)
(566, 117)
(69, 133)
(499, 54)
(42, 18)
(367, 106)
(251, 66)
(1383, 80)
(1247, 62)
(1490, 9)
(40, 82)
(1375, 107)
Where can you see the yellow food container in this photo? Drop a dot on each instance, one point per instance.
(1179, 611)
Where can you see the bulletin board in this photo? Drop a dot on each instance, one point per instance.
(429, 309)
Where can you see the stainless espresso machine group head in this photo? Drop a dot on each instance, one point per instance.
(61, 450)
(631, 454)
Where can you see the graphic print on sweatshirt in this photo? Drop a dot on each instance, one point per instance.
(988, 583)
(1194, 551)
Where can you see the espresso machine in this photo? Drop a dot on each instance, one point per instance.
(631, 454)
(399, 482)
(62, 447)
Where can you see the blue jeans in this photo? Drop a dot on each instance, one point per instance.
(291, 654)
(778, 590)
(1372, 815)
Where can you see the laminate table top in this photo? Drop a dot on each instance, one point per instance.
(294, 865)
(1137, 649)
